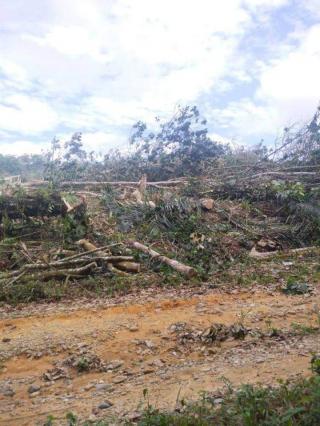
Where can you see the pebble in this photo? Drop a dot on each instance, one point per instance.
(8, 392)
(119, 379)
(104, 405)
(88, 386)
(157, 363)
(92, 418)
(149, 344)
(102, 386)
(33, 389)
(115, 364)
(134, 416)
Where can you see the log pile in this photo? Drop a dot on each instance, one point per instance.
(25, 262)
(91, 261)
(94, 260)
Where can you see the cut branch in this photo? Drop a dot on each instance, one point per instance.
(178, 266)
(116, 264)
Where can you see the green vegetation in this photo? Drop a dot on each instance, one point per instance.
(289, 404)
(295, 403)
(293, 287)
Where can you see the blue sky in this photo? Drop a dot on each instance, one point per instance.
(98, 66)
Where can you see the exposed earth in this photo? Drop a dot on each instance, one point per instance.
(95, 358)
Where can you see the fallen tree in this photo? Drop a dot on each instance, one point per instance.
(121, 265)
(101, 184)
(178, 266)
(255, 254)
(75, 266)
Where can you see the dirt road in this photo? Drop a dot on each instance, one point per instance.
(127, 348)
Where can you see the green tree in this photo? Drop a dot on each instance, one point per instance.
(180, 146)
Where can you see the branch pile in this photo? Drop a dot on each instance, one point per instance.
(22, 205)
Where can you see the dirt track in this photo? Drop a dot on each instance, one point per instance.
(139, 336)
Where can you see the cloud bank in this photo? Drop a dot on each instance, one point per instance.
(98, 66)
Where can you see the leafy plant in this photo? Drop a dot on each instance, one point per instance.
(315, 363)
(296, 403)
(71, 419)
(82, 364)
(178, 147)
(293, 287)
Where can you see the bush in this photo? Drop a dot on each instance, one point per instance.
(290, 404)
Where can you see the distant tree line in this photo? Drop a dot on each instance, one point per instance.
(178, 147)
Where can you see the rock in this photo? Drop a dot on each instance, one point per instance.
(88, 386)
(133, 328)
(102, 386)
(6, 339)
(149, 344)
(114, 365)
(132, 417)
(104, 405)
(33, 389)
(158, 363)
(119, 379)
(8, 392)
(207, 203)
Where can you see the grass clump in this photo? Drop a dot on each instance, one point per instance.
(295, 403)
(315, 363)
(289, 404)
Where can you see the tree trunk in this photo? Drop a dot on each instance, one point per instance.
(180, 267)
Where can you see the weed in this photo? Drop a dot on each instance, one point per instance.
(315, 363)
(49, 421)
(303, 330)
(293, 287)
(289, 404)
(82, 364)
(71, 419)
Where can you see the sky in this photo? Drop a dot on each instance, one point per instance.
(98, 66)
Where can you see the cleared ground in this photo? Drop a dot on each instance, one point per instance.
(135, 338)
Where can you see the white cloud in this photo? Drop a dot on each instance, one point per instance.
(72, 41)
(22, 147)
(288, 92)
(292, 84)
(101, 142)
(265, 3)
(97, 66)
(24, 114)
(245, 118)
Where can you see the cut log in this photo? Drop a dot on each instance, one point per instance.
(255, 254)
(128, 266)
(33, 267)
(88, 246)
(54, 273)
(178, 266)
(83, 184)
(58, 273)
(143, 185)
(207, 203)
(116, 264)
